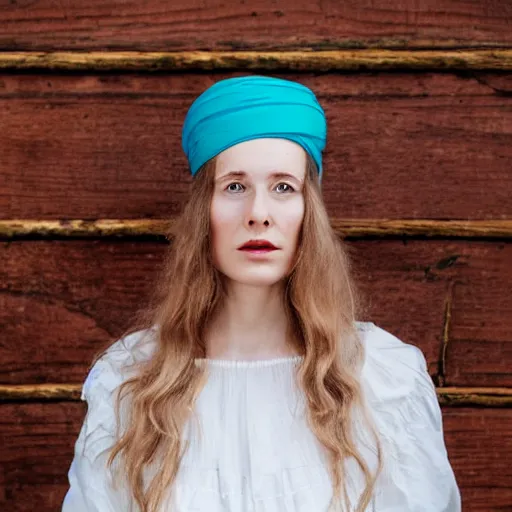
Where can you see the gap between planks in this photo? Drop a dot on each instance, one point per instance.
(450, 396)
(80, 228)
(299, 60)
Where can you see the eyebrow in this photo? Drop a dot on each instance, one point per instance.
(243, 174)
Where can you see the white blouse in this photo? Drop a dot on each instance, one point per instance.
(251, 449)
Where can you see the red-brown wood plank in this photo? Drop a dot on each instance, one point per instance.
(459, 282)
(480, 348)
(38, 442)
(267, 24)
(433, 146)
(479, 443)
(63, 300)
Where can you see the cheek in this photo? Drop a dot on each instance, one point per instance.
(223, 221)
(223, 218)
(292, 221)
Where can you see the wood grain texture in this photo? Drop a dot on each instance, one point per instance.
(34, 469)
(324, 61)
(479, 443)
(400, 146)
(49, 392)
(92, 100)
(459, 285)
(479, 347)
(37, 448)
(488, 397)
(23, 229)
(452, 396)
(63, 301)
(288, 24)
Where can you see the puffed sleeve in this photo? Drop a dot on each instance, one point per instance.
(417, 474)
(90, 488)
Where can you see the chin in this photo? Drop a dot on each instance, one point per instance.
(258, 278)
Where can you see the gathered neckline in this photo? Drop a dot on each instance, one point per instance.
(247, 363)
(261, 363)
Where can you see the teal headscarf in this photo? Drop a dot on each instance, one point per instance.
(238, 109)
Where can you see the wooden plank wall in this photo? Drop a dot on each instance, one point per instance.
(417, 179)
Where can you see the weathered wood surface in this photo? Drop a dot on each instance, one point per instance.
(211, 24)
(33, 469)
(402, 146)
(61, 301)
(452, 292)
(429, 146)
(478, 443)
(452, 396)
(323, 61)
(161, 229)
(464, 396)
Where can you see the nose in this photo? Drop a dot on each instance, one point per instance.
(258, 208)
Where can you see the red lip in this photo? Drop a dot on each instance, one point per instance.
(257, 244)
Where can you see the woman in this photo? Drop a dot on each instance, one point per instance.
(248, 384)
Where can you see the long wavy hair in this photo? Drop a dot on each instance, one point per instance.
(322, 302)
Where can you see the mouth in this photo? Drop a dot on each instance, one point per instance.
(258, 246)
(258, 250)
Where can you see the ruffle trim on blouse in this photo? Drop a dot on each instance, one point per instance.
(247, 364)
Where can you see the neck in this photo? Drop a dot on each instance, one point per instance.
(251, 324)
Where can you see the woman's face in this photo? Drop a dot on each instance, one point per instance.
(250, 202)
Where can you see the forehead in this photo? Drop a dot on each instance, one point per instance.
(260, 156)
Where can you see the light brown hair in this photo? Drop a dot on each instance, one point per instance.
(322, 303)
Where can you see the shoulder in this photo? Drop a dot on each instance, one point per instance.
(101, 385)
(403, 403)
(116, 363)
(385, 353)
(395, 373)
(381, 346)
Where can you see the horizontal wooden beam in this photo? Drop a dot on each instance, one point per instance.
(488, 397)
(323, 60)
(40, 392)
(452, 396)
(30, 228)
(21, 228)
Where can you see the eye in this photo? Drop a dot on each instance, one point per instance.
(234, 183)
(289, 189)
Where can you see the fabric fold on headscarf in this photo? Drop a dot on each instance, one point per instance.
(239, 109)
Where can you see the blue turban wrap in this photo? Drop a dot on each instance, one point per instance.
(238, 109)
